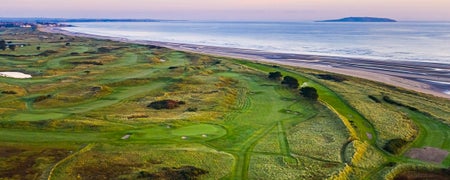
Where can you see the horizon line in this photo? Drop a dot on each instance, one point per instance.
(217, 20)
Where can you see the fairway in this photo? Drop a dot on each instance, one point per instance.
(89, 112)
(200, 130)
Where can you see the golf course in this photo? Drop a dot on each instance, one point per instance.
(101, 109)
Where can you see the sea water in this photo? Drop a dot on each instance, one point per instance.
(404, 41)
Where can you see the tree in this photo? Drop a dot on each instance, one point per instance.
(275, 75)
(2, 44)
(290, 82)
(12, 47)
(38, 48)
(309, 93)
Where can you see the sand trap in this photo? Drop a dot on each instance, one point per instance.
(127, 136)
(18, 75)
(428, 154)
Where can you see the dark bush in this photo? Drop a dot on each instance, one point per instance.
(309, 93)
(154, 47)
(48, 53)
(290, 82)
(90, 52)
(87, 62)
(68, 44)
(38, 48)
(192, 109)
(42, 98)
(96, 88)
(3, 45)
(165, 104)
(330, 77)
(216, 62)
(9, 92)
(393, 102)
(12, 47)
(375, 99)
(395, 146)
(104, 50)
(184, 173)
(275, 75)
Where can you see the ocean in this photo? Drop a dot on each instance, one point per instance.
(400, 41)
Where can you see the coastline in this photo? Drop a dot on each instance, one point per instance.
(425, 77)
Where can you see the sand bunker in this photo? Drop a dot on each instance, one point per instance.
(18, 75)
(428, 154)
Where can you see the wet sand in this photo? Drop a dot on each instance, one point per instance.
(426, 77)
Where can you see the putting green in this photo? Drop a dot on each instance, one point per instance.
(38, 116)
(200, 129)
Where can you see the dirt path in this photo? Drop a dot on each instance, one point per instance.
(86, 148)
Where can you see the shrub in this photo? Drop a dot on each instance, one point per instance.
(290, 82)
(42, 98)
(87, 62)
(275, 75)
(192, 109)
(3, 45)
(48, 53)
(9, 92)
(375, 99)
(184, 172)
(104, 50)
(12, 47)
(395, 146)
(330, 77)
(309, 92)
(393, 102)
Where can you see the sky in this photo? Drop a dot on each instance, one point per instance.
(273, 10)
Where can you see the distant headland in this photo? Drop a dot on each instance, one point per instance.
(360, 19)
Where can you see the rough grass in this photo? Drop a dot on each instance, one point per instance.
(321, 137)
(113, 161)
(18, 161)
(275, 167)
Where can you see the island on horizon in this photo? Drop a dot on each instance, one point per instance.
(360, 19)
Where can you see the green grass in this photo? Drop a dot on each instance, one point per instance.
(235, 123)
(327, 96)
(199, 130)
(432, 133)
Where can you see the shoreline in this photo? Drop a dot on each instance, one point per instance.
(425, 77)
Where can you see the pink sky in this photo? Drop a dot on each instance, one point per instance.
(433, 10)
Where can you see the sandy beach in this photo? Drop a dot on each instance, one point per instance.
(426, 77)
